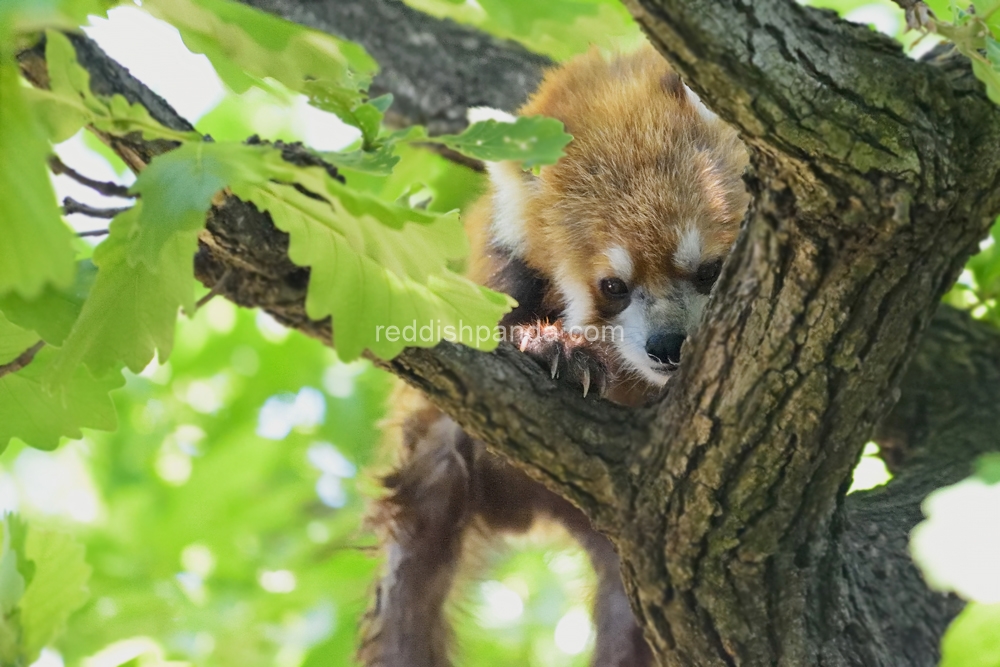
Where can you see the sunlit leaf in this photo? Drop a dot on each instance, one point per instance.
(559, 29)
(131, 310)
(58, 588)
(30, 412)
(973, 638)
(377, 265)
(177, 190)
(28, 16)
(69, 103)
(246, 45)
(37, 246)
(990, 77)
(988, 468)
(14, 340)
(379, 161)
(52, 313)
(145, 267)
(534, 140)
(12, 561)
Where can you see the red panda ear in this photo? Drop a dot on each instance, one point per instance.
(673, 86)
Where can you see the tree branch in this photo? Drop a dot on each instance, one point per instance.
(435, 69)
(571, 445)
(71, 206)
(870, 194)
(22, 359)
(106, 188)
(728, 506)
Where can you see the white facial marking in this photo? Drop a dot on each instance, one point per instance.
(509, 199)
(579, 304)
(621, 263)
(632, 347)
(678, 312)
(687, 257)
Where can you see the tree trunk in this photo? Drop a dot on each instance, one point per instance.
(873, 179)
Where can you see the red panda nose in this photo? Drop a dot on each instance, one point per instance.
(665, 348)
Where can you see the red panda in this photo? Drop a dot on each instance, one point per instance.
(611, 254)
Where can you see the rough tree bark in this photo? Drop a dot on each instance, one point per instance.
(874, 179)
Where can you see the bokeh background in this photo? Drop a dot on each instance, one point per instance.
(223, 520)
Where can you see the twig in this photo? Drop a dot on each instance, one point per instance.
(104, 187)
(216, 288)
(93, 232)
(453, 156)
(22, 360)
(71, 205)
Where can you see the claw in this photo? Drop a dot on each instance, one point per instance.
(586, 381)
(524, 342)
(555, 366)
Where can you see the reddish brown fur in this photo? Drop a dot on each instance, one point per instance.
(643, 163)
(633, 182)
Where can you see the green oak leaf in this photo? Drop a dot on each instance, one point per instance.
(990, 77)
(993, 52)
(177, 189)
(37, 247)
(13, 562)
(556, 28)
(376, 264)
(69, 104)
(131, 311)
(379, 161)
(972, 639)
(411, 243)
(534, 140)
(52, 313)
(30, 412)
(986, 10)
(58, 588)
(988, 468)
(246, 45)
(145, 265)
(14, 340)
(27, 16)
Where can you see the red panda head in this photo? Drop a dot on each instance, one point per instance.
(632, 224)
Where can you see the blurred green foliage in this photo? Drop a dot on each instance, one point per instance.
(222, 522)
(223, 519)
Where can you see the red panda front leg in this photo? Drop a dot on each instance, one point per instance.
(564, 354)
(425, 519)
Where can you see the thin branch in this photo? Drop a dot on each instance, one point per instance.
(435, 68)
(708, 527)
(472, 163)
(22, 360)
(93, 232)
(216, 289)
(106, 188)
(71, 206)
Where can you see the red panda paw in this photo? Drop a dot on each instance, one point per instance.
(568, 357)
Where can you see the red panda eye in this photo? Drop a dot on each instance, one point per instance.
(614, 288)
(706, 275)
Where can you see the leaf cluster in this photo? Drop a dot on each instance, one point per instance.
(374, 262)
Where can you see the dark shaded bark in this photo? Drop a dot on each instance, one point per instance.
(435, 69)
(871, 192)
(874, 180)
